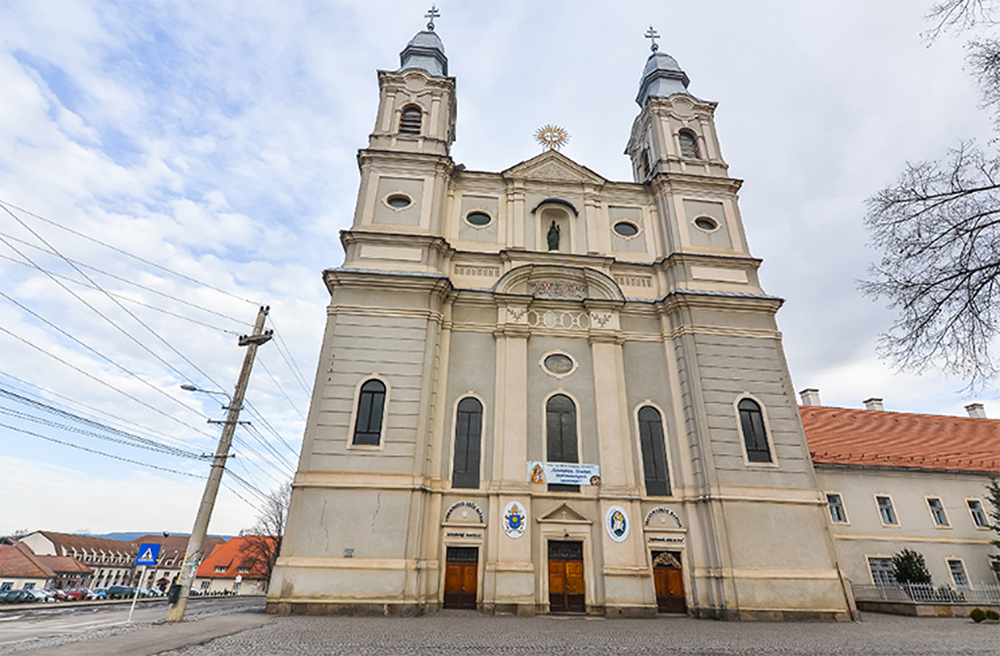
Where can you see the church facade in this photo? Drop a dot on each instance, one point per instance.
(542, 391)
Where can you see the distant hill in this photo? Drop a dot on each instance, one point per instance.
(125, 536)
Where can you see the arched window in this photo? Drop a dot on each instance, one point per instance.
(654, 452)
(368, 423)
(754, 435)
(468, 440)
(409, 122)
(689, 144)
(560, 435)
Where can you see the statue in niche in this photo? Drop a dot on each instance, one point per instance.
(553, 237)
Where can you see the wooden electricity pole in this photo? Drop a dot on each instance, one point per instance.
(194, 555)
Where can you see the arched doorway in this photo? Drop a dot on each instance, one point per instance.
(668, 578)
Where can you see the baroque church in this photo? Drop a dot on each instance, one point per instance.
(543, 391)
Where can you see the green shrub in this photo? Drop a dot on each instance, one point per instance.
(977, 615)
(992, 615)
(909, 567)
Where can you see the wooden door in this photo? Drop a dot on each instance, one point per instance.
(566, 587)
(668, 580)
(460, 577)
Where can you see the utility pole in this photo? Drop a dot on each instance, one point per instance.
(194, 555)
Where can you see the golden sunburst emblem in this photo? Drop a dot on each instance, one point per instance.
(552, 137)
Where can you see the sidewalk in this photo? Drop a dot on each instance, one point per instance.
(161, 637)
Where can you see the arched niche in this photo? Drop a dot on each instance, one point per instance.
(556, 282)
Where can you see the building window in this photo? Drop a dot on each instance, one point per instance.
(654, 452)
(205, 585)
(6, 585)
(689, 144)
(368, 423)
(409, 122)
(886, 511)
(957, 570)
(978, 514)
(836, 505)
(468, 441)
(243, 570)
(28, 586)
(560, 435)
(754, 435)
(937, 512)
(882, 574)
(220, 569)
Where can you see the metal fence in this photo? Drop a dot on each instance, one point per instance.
(923, 593)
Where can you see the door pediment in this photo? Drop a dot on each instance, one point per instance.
(564, 514)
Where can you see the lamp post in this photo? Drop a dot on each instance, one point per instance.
(193, 555)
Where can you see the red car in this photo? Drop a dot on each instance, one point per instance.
(75, 594)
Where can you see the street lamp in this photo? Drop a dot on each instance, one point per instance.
(188, 387)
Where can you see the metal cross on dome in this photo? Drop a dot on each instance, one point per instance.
(652, 36)
(432, 14)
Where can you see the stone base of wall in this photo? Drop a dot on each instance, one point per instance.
(355, 610)
(737, 615)
(921, 610)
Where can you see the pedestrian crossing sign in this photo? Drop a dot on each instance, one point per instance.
(147, 554)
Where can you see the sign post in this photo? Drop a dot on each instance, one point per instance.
(147, 556)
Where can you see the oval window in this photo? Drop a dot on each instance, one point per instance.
(399, 201)
(706, 223)
(479, 219)
(557, 363)
(626, 229)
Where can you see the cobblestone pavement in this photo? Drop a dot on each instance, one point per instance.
(465, 632)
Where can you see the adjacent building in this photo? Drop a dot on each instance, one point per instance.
(544, 391)
(238, 566)
(895, 481)
(111, 561)
(170, 557)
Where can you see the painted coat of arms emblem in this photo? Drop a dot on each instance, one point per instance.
(617, 523)
(514, 520)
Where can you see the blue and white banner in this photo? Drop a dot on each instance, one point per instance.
(563, 473)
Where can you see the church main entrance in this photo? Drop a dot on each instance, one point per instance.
(460, 576)
(669, 582)
(566, 592)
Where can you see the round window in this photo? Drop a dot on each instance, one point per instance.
(558, 363)
(705, 223)
(399, 201)
(626, 229)
(479, 219)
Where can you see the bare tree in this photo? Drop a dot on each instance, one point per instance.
(938, 229)
(263, 539)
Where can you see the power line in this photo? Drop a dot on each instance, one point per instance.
(7, 205)
(123, 296)
(98, 380)
(282, 390)
(99, 354)
(104, 414)
(269, 427)
(289, 360)
(130, 439)
(104, 316)
(125, 280)
(100, 453)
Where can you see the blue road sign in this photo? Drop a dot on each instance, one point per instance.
(147, 554)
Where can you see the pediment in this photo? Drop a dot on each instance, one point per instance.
(564, 514)
(553, 166)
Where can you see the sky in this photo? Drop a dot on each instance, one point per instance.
(168, 167)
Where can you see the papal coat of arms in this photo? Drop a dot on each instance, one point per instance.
(617, 523)
(514, 520)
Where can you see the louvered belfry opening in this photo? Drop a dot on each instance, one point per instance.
(409, 122)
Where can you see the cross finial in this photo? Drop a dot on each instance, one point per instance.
(432, 14)
(652, 36)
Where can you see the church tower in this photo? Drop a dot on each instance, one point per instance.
(543, 391)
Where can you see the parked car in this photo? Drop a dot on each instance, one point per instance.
(195, 592)
(120, 592)
(75, 594)
(97, 593)
(37, 597)
(17, 597)
(57, 594)
(6, 593)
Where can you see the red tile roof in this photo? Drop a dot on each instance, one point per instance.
(18, 561)
(64, 565)
(871, 438)
(236, 554)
